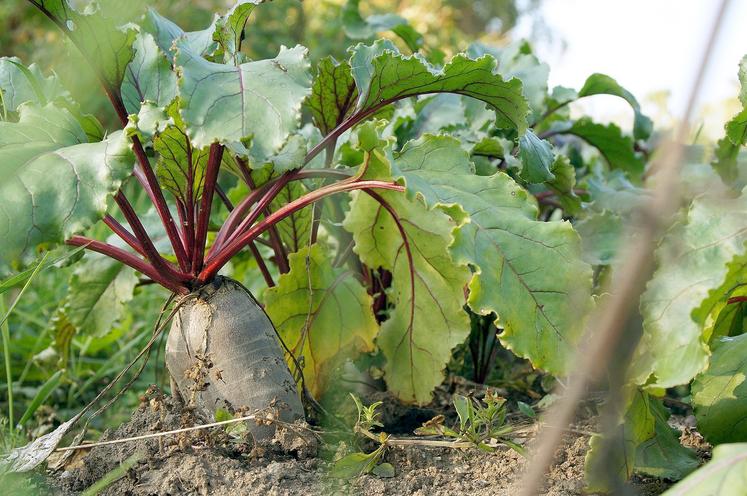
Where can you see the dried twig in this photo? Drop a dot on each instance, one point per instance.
(157, 434)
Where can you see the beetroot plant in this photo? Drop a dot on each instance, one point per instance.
(382, 199)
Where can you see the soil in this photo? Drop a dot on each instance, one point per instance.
(217, 463)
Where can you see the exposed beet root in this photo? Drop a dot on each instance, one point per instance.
(222, 350)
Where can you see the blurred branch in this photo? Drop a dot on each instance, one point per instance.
(604, 332)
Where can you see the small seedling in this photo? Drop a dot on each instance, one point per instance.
(481, 423)
(360, 463)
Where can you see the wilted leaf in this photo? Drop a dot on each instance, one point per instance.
(322, 312)
(31, 455)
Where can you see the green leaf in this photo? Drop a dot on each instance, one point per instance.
(180, 166)
(729, 320)
(99, 31)
(383, 470)
(662, 455)
(165, 33)
(528, 272)
(97, 294)
(692, 266)
(229, 29)
(728, 147)
(710, 309)
(354, 464)
(63, 332)
(323, 314)
(517, 59)
(333, 94)
(537, 158)
(563, 184)
(383, 75)
(617, 149)
(221, 415)
(636, 426)
(601, 84)
(291, 155)
(720, 393)
(295, 229)
(615, 193)
(724, 475)
(463, 407)
(258, 101)
(54, 184)
(427, 320)
(435, 114)
(358, 28)
(526, 409)
(19, 84)
(148, 76)
(645, 444)
(600, 237)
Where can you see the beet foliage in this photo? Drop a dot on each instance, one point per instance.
(217, 144)
(385, 201)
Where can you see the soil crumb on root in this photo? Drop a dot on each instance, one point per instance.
(212, 462)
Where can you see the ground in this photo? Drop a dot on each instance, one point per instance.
(214, 463)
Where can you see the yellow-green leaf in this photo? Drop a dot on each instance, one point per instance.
(323, 314)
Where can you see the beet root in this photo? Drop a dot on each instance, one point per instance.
(222, 350)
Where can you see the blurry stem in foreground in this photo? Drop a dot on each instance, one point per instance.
(605, 327)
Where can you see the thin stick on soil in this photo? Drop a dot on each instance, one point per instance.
(157, 434)
(605, 331)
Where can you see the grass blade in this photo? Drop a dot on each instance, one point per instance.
(112, 476)
(24, 276)
(6, 339)
(42, 395)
